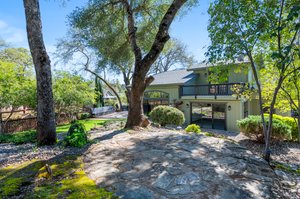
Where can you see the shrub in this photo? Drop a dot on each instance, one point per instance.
(167, 115)
(19, 137)
(77, 135)
(84, 116)
(193, 128)
(291, 122)
(252, 126)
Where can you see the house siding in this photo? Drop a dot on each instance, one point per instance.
(236, 112)
(172, 90)
(237, 105)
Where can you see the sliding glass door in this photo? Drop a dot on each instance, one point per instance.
(209, 115)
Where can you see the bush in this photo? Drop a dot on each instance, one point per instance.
(19, 137)
(193, 128)
(84, 116)
(252, 126)
(288, 121)
(167, 115)
(77, 135)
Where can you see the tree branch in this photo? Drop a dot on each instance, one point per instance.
(132, 31)
(162, 35)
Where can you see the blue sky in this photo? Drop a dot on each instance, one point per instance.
(191, 29)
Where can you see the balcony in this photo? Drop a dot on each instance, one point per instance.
(210, 89)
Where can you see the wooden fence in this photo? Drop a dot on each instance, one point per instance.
(17, 125)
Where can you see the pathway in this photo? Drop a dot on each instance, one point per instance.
(114, 115)
(177, 165)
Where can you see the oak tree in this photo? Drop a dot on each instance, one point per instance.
(46, 133)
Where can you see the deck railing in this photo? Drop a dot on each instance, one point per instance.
(209, 89)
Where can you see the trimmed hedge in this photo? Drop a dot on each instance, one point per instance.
(167, 115)
(252, 127)
(194, 128)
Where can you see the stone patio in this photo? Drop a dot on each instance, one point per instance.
(168, 164)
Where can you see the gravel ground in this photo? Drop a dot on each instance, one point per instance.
(285, 152)
(15, 154)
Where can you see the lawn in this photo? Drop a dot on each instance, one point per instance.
(30, 136)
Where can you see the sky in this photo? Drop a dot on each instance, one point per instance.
(191, 29)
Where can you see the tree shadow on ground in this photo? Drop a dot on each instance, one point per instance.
(173, 165)
(63, 177)
(281, 151)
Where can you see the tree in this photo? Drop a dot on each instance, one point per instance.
(291, 91)
(281, 48)
(288, 97)
(46, 133)
(71, 93)
(102, 27)
(99, 93)
(67, 49)
(134, 32)
(234, 28)
(17, 85)
(19, 56)
(143, 63)
(255, 29)
(16, 89)
(174, 54)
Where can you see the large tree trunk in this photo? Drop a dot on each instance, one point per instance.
(46, 134)
(142, 64)
(135, 111)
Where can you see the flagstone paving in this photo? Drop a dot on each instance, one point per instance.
(167, 164)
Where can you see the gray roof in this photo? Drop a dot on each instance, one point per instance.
(204, 65)
(176, 77)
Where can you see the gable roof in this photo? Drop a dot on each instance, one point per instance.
(204, 65)
(176, 77)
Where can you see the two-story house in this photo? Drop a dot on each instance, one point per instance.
(209, 105)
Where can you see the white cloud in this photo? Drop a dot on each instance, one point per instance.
(13, 35)
(2, 24)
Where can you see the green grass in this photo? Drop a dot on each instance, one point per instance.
(89, 124)
(68, 180)
(30, 136)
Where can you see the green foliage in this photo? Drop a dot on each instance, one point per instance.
(290, 122)
(71, 93)
(11, 186)
(84, 116)
(287, 168)
(194, 128)
(252, 127)
(218, 74)
(99, 93)
(17, 88)
(77, 135)
(167, 115)
(19, 138)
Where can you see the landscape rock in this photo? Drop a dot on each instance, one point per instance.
(171, 164)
